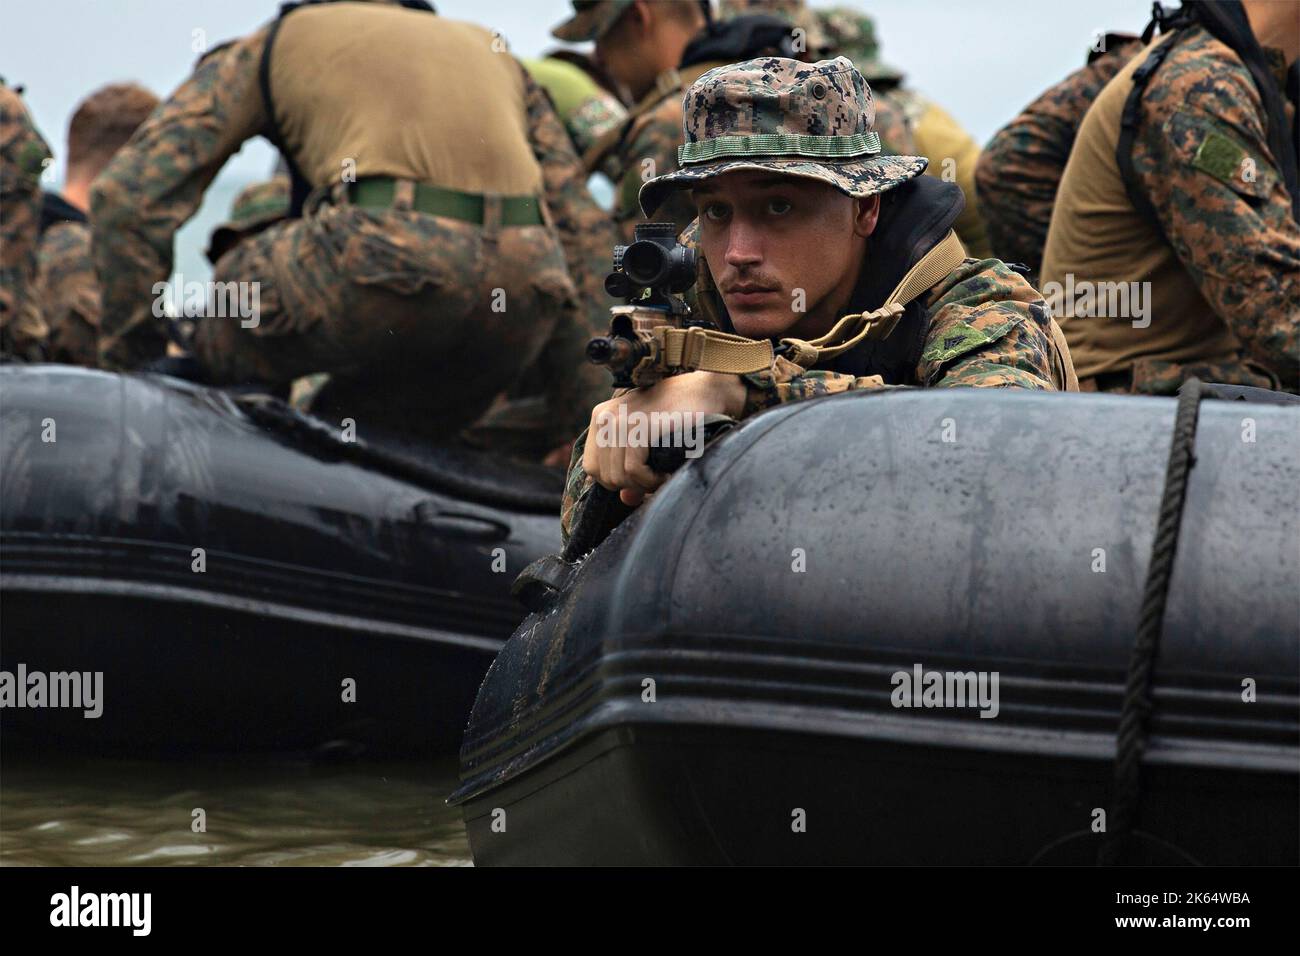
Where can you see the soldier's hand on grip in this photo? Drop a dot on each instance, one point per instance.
(621, 430)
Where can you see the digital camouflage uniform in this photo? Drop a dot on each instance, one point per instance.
(1020, 169)
(985, 326)
(587, 110)
(1201, 157)
(255, 208)
(419, 319)
(519, 422)
(908, 121)
(23, 157)
(69, 293)
(1236, 238)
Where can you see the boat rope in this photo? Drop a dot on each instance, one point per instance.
(1135, 713)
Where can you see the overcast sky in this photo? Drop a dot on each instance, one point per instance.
(981, 59)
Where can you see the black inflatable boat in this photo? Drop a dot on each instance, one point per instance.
(242, 576)
(896, 628)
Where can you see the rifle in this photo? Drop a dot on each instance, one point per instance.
(650, 275)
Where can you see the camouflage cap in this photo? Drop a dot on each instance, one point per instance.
(812, 120)
(256, 207)
(591, 20)
(794, 12)
(852, 33)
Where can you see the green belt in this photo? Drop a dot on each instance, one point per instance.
(376, 192)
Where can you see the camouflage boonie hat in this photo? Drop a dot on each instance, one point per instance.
(591, 20)
(811, 120)
(256, 207)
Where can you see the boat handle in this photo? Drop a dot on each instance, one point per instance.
(460, 524)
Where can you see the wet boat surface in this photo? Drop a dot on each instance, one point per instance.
(692, 696)
(246, 578)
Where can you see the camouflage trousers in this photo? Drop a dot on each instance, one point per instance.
(419, 320)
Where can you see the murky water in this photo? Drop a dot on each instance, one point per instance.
(258, 813)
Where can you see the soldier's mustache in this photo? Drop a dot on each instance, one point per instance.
(749, 282)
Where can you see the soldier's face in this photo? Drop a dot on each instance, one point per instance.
(627, 70)
(626, 53)
(646, 40)
(784, 252)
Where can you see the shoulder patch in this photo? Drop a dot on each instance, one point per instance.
(1220, 157)
(1212, 151)
(962, 337)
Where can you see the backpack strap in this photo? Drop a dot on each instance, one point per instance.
(300, 186)
(1129, 122)
(1166, 22)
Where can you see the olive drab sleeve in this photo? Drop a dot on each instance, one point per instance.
(588, 236)
(1202, 157)
(156, 182)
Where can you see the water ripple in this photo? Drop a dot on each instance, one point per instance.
(258, 813)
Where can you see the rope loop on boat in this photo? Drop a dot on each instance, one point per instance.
(1135, 713)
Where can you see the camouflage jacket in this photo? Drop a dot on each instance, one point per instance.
(587, 111)
(1020, 169)
(69, 293)
(156, 182)
(986, 328)
(23, 157)
(1202, 157)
